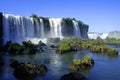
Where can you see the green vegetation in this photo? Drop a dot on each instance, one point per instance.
(111, 41)
(28, 71)
(29, 47)
(98, 41)
(36, 20)
(79, 64)
(14, 48)
(73, 44)
(64, 47)
(103, 49)
(96, 46)
(67, 21)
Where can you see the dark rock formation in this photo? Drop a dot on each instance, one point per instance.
(1, 29)
(28, 71)
(73, 76)
(83, 31)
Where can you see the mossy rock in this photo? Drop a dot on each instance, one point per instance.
(26, 71)
(80, 64)
(103, 49)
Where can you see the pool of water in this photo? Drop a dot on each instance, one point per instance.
(105, 68)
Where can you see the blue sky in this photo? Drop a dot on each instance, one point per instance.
(100, 15)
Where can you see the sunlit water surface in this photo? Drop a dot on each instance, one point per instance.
(105, 68)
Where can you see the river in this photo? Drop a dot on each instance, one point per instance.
(105, 68)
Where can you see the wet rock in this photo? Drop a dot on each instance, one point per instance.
(28, 71)
(73, 76)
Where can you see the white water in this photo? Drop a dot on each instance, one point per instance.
(19, 28)
(42, 28)
(55, 24)
(76, 29)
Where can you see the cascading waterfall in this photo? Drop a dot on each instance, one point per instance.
(19, 28)
(42, 28)
(76, 29)
(55, 24)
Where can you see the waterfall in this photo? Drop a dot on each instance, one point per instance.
(20, 28)
(55, 24)
(76, 29)
(42, 28)
(17, 28)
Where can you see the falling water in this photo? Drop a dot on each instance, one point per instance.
(19, 28)
(42, 28)
(55, 24)
(76, 29)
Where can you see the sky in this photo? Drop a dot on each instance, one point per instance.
(100, 15)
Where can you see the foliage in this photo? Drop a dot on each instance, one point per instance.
(103, 49)
(28, 71)
(95, 46)
(65, 46)
(81, 64)
(72, 44)
(29, 46)
(111, 41)
(67, 22)
(86, 60)
(14, 48)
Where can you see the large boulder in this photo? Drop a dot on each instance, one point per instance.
(73, 76)
(28, 71)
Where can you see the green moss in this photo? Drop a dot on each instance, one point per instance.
(72, 44)
(81, 64)
(29, 46)
(65, 46)
(28, 71)
(103, 49)
(14, 48)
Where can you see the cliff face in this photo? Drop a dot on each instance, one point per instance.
(1, 29)
(84, 31)
(19, 28)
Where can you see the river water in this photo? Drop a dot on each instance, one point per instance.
(105, 68)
